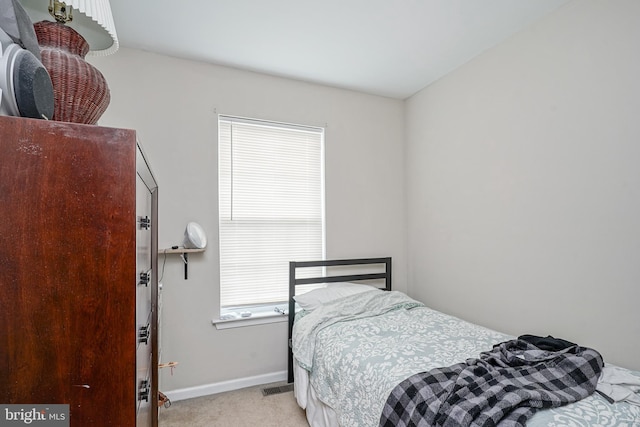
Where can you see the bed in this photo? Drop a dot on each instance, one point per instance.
(351, 345)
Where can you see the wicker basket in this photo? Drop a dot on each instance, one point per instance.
(81, 93)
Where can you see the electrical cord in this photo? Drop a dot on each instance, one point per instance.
(164, 261)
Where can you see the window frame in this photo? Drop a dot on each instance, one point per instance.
(243, 315)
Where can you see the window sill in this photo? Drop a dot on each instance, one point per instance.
(255, 319)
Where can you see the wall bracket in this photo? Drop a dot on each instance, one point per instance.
(184, 254)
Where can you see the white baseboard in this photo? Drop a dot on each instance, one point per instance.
(207, 389)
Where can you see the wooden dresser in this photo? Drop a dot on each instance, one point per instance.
(78, 262)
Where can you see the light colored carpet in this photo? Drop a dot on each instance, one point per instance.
(239, 408)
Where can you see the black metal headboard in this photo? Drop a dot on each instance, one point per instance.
(293, 282)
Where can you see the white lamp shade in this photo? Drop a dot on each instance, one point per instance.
(194, 237)
(92, 19)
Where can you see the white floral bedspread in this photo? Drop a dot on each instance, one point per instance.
(356, 359)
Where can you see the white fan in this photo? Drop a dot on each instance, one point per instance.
(194, 237)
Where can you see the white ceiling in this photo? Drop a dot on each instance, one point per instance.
(391, 48)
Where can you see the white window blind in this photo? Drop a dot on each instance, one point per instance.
(271, 190)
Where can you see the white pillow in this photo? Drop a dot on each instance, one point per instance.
(315, 298)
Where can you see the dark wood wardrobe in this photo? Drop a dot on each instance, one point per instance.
(78, 262)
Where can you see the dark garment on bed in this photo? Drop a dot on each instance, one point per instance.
(504, 386)
(547, 343)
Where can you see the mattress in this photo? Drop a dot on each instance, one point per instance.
(350, 353)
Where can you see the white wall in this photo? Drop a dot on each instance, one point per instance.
(171, 104)
(523, 182)
(522, 185)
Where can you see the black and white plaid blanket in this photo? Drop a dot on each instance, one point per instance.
(504, 387)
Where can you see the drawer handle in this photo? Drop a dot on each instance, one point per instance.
(144, 222)
(143, 392)
(144, 333)
(145, 278)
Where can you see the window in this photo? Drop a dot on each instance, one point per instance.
(271, 207)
